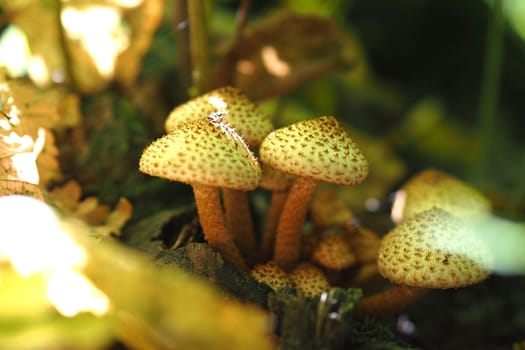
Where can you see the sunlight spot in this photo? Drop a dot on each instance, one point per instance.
(38, 70)
(34, 240)
(372, 204)
(72, 293)
(515, 12)
(99, 29)
(273, 63)
(127, 3)
(398, 206)
(14, 50)
(245, 67)
(405, 325)
(218, 102)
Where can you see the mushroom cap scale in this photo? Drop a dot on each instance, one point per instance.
(319, 148)
(243, 115)
(433, 249)
(207, 151)
(432, 188)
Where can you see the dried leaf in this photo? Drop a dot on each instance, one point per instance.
(269, 61)
(64, 40)
(10, 187)
(102, 221)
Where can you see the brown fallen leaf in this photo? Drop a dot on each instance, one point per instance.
(281, 52)
(67, 46)
(101, 219)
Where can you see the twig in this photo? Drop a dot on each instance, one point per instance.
(200, 71)
(180, 29)
(66, 54)
(489, 88)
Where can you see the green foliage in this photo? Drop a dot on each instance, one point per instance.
(327, 322)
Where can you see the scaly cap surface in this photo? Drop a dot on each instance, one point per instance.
(242, 114)
(333, 252)
(309, 280)
(433, 188)
(433, 249)
(319, 148)
(272, 275)
(206, 151)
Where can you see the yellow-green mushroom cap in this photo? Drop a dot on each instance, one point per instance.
(433, 188)
(242, 114)
(318, 148)
(206, 151)
(434, 249)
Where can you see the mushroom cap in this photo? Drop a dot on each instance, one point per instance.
(206, 151)
(333, 252)
(433, 188)
(319, 148)
(271, 274)
(242, 114)
(433, 249)
(309, 280)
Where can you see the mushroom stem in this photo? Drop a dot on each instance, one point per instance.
(239, 222)
(213, 224)
(275, 209)
(389, 301)
(288, 237)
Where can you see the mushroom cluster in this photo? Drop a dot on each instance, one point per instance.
(435, 244)
(211, 143)
(223, 145)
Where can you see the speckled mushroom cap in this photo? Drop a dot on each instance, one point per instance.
(333, 252)
(242, 114)
(272, 275)
(433, 188)
(309, 280)
(433, 249)
(319, 148)
(206, 151)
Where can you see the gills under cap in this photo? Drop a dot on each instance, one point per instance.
(207, 151)
(319, 148)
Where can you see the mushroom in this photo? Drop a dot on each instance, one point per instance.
(242, 114)
(272, 275)
(309, 280)
(432, 249)
(333, 252)
(278, 183)
(314, 150)
(207, 154)
(432, 188)
(249, 122)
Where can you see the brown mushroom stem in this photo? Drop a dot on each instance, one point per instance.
(389, 301)
(275, 209)
(288, 238)
(239, 222)
(213, 224)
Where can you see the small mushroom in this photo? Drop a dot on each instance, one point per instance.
(309, 280)
(433, 188)
(432, 249)
(272, 275)
(333, 252)
(249, 122)
(314, 150)
(207, 154)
